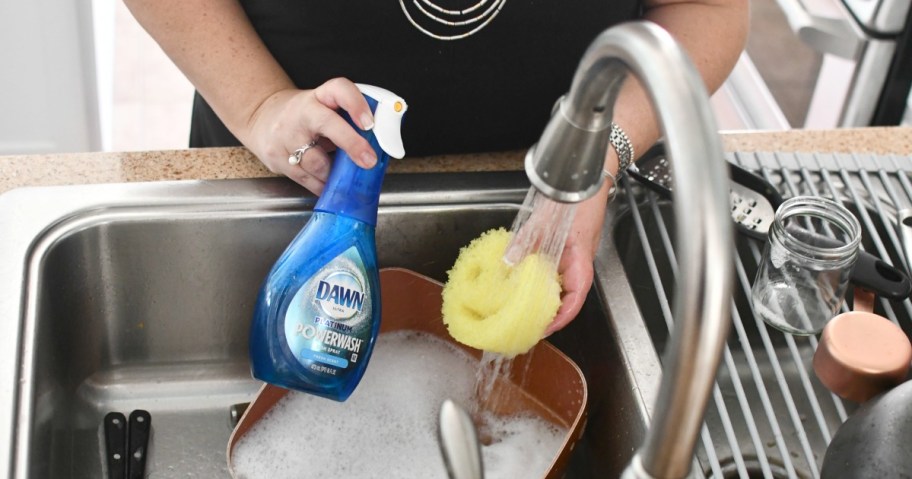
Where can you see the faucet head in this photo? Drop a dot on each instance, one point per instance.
(566, 163)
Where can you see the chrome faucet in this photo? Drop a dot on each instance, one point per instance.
(566, 165)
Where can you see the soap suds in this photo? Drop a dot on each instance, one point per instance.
(388, 427)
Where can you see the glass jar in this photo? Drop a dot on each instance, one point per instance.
(808, 259)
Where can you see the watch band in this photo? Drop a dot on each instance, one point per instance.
(622, 145)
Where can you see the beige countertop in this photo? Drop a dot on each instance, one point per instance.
(226, 163)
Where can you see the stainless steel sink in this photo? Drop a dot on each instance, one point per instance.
(139, 296)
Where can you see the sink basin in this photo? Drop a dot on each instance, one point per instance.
(139, 296)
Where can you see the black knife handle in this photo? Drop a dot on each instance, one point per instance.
(140, 429)
(115, 431)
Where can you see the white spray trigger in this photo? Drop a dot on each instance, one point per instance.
(387, 119)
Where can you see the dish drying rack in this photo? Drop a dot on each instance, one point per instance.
(768, 415)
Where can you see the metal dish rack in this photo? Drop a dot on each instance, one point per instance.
(768, 415)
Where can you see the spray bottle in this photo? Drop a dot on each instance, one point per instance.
(318, 312)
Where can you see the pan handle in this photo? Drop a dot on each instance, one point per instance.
(755, 183)
(878, 276)
(870, 272)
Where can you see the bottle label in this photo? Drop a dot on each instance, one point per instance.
(328, 323)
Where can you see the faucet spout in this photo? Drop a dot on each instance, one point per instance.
(566, 165)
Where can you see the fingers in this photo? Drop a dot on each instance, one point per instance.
(571, 301)
(576, 260)
(571, 305)
(324, 125)
(341, 93)
(290, 119)
(576, 280)
(312, 171)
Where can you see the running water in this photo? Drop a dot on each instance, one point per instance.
(540, 227)
(491, 368)
(504, 289)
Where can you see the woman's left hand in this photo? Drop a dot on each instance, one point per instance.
(576, 264)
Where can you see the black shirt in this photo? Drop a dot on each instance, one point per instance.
(491, 90)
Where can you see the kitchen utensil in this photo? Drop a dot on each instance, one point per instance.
(459, 442)
(874, 442)
(138, 443)
(543, 382)
(862, 354)
(800, 284)
(754, 202)
(127, 444)
(115, 432)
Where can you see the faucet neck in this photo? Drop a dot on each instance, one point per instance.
(566, 165)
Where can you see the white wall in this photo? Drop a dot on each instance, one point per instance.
(82, 75)
(151, 100)
(48, 99)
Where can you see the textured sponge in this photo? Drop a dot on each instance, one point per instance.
(495, 307)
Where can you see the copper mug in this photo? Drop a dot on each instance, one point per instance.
(862, 354)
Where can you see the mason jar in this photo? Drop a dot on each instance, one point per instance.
(801, 280)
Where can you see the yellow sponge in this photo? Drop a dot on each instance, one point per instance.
(492, 306)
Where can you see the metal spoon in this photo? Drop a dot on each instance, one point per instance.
(459, 443)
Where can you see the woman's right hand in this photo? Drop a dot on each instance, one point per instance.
(289, 119)
(217, 48)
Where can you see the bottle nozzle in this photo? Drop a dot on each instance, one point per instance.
(387, 119)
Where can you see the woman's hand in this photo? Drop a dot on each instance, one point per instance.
(713, 33)
(576, 263)
(214, 44)
(290, 119)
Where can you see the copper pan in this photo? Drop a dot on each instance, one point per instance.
(543, 381)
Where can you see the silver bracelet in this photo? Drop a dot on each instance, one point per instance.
(614, 184)
(622, 146)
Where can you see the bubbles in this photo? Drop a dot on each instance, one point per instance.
(388, 427)
(518, 445)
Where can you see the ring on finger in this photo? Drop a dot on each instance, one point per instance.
(295, 157)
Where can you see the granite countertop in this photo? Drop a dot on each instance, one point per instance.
(225, 163)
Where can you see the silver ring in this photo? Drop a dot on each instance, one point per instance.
(295, 157)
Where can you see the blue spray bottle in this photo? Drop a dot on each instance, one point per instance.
(318, 312)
